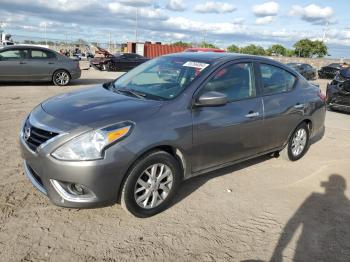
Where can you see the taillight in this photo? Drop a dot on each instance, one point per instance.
(321, 95)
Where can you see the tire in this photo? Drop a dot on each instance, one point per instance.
(61, 78)
(150, 197)
(292, 152)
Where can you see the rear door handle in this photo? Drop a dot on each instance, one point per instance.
(252, 114)
(299, 106)
(51, 63)
(22, 63)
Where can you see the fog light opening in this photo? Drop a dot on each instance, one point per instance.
(73, 192)
(77, 189)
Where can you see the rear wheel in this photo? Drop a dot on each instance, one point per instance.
(151, 184)
(298, 144)
(61, 78)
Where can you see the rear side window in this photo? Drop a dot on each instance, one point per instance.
(236, 81)
(276, 80)
(40, 54)
(14, 54)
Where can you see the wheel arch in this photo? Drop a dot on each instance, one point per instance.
(62, 69)
(307, 121)
(172, 150)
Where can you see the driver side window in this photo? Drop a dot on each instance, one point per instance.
(13, 55)
(236, 81)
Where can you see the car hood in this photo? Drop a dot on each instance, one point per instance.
(98, 107)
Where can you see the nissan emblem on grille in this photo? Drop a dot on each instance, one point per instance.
(27, 133)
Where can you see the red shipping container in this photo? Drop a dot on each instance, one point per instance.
(155, 50)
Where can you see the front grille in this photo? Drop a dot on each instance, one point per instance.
(35, 137)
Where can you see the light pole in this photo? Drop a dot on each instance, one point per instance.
(45, 33)
(136, 24)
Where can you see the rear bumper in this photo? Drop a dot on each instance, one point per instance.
(75, 74)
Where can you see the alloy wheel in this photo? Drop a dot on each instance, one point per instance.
(299, 142)
(61, 78)
(153, 186)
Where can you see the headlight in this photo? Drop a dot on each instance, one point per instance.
(90, 146)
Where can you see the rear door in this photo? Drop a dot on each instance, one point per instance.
(13, 65)
(42, 64)
(283, 103)
(233, 131)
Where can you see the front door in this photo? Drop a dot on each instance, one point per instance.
(231, 132)
(13, 65)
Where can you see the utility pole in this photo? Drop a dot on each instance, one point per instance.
(110, 42)
(204, 35)
(45, 33)
(325, 32)
(136, 24)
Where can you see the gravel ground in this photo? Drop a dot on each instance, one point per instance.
(252, 211)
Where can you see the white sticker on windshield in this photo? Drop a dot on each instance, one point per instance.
(195, 64)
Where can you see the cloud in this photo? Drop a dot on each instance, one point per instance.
(313, 13)
(135, 3)
(62, 5)
(265, 20)
(214, 7)
(130, 11)
(266, 9)
(176, 5)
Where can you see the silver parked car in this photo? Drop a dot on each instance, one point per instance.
(32, 63)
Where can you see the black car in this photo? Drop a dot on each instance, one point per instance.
(338, 91)
(330, 71)
(305, 70)
(118, 62)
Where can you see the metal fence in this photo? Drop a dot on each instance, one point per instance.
(67, 44)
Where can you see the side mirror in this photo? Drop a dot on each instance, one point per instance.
(212, 98)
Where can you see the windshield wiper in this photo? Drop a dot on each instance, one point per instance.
(128, 91)
(132, 92)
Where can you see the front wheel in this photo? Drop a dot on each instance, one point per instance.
(151, 184)
(298, 143)
(61, 78)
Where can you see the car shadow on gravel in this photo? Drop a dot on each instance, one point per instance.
(191, 185)
(324, 219)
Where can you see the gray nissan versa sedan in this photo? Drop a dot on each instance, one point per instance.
(32, 63)
(135, 139)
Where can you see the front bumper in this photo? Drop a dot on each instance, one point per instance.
(102, 178)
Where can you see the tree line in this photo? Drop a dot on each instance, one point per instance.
(302, 48)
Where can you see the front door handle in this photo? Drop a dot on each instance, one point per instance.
(252, 114)
(22, 63)
(51, 63)
(299, 106)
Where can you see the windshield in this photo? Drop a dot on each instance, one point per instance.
(163, 78)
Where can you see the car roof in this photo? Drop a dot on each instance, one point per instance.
(220, 58)
(26, 47)
(216, 56)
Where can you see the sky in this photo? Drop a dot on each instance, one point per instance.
(221, 22)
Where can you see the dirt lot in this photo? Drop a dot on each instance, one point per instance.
(234, 214)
